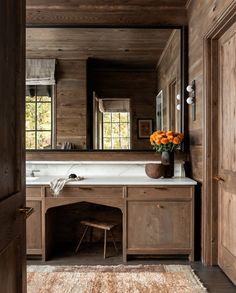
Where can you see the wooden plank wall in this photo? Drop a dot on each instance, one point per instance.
(169, 69)
(137, 85)
(201, 16)
(105, 12)
(71, 102)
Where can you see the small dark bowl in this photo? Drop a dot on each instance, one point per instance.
(72, 176)
(154, 170)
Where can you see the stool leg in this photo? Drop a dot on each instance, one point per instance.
(78, 246)
(105, 243)
(113, 239)
(91, 235)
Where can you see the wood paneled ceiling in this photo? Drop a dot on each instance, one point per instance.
(142, 47)
(105, 12)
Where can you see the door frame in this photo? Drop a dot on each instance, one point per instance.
(210, 133)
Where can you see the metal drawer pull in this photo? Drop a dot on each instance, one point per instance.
(159, 206)
(85, 188)
(26, 211)
(163, 188)
(218, 178)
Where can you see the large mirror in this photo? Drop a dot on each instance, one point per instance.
(102, 88)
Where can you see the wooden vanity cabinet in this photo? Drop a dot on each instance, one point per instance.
(157, 220)
(34, 222)
(160, 221)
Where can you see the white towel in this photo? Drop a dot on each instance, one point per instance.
(56, 185)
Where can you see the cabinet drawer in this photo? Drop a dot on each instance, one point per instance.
(159, 193)
(33, 191)
(88, 191)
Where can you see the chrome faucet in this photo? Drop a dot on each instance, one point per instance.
(32, 173)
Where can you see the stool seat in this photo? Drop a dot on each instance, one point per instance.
(106, 226)
(98, 224)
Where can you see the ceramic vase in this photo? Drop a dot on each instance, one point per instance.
(167, 160)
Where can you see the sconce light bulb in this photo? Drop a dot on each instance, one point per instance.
(190, 100)
(189, 88)
(178, 97)
(178, 107)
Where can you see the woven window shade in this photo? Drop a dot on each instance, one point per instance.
(40, 71)
(114, 105)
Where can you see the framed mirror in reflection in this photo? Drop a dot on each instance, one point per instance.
(87, 88)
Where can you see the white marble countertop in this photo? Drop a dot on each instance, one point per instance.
(138, 180)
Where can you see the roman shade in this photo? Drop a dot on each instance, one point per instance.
(40, 71)
(114, 105)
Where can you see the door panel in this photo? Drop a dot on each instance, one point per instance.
(227, 153)
(159, 224)
(12, 158)
(34, 228)
(228, 217)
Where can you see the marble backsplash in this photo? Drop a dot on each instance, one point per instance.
(95, 168)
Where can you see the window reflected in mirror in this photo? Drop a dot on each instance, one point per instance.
(111, 124)
(38, 117)
(116, 131)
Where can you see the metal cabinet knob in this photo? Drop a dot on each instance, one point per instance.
(160, 206)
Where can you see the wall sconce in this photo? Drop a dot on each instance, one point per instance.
(191, 89)
(178, 107)
(178, 98)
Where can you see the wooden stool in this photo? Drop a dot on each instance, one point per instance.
(100, 225)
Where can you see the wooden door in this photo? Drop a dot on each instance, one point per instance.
(12, 194)
(227, 153)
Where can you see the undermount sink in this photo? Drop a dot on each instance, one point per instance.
(31, 178)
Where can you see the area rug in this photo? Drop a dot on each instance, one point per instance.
(113, 279)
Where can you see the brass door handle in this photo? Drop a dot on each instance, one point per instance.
(219, 179)
(26, 211)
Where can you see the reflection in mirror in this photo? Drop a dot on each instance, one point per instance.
(87, 88)
(111, 124)
(38, 117)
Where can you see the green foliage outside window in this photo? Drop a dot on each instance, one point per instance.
(38, 117)
(116, 130)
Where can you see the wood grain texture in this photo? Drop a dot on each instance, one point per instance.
(157, 223)
(34, 228)
(210, 102)
(61, 216)
(105, 12)
(132, 46)
(227, 152)
(12, 152)
(71, 103)
(98, 156)
(201, 16)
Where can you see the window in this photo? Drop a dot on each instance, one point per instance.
(116, 130)
(39, 112)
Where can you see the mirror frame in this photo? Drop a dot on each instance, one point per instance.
(38, 154)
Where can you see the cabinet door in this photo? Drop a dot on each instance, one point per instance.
(159, 225)
(34, 228)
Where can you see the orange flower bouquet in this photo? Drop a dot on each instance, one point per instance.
(166, 141)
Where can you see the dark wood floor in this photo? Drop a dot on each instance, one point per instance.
(92, 254)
